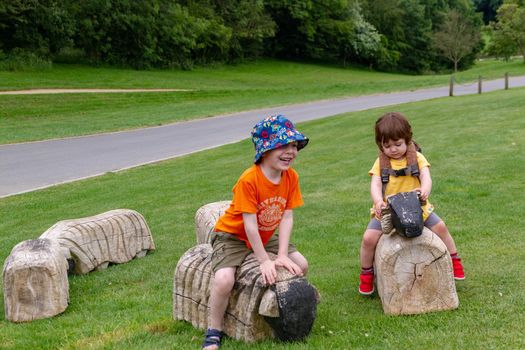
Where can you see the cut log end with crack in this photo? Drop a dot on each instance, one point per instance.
(414, 275)
(35, 281)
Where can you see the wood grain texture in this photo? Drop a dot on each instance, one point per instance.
(414, 275)
(206, 217)
(251, 301)
(191, 291)
(35, 281)
(116, 236)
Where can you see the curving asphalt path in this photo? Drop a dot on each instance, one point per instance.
(26, 167)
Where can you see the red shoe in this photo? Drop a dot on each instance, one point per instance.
(366, 285)
(459, 274)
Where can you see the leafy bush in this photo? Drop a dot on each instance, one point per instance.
(23, 60)
(41, 26)
(384, 34)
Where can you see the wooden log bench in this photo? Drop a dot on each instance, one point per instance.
(35, 281)
(35, 274)
(90, 243)
(206, 217)
(413, 275)
(255, 311)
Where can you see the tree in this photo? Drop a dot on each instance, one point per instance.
(489, 9)
(405, 32)
(322, 29)
(456, 37)
(350, 39)
(509, 31)
(39, 26)
(249, 23)
(117, 32)
(406, 28)
(415, 51)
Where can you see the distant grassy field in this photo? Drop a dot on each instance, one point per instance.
(215, 90)
(476, 147)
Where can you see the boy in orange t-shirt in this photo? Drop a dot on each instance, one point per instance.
(263, 200)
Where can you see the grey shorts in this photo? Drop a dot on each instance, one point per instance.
(430, 222)
(229, 251)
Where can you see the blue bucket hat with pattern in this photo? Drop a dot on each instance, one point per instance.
(274, 132)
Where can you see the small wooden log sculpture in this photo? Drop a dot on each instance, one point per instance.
(116, 236)
(413, 275)
(206, 217)
(35, 281)
(289, 306)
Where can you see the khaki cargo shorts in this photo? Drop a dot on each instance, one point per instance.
(229, 251)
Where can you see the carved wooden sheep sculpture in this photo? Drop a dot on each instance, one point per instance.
(90, 243)
(35, 281)
(256, 311)
(413, 275)
(35, 273)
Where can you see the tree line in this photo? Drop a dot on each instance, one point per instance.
(400, 35)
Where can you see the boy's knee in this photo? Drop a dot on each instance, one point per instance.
(304, 266)
(300, 260)
(224, 280)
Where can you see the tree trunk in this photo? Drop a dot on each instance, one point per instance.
(414, 275)
(191, 291)
(35, 281)
(116, 236)
(290, 307)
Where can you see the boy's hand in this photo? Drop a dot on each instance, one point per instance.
(378, 206)
(268, 271)
(288, 264)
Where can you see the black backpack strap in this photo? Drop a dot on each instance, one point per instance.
(411, 170)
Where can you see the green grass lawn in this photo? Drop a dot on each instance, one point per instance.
(215, 90)
(476, 147)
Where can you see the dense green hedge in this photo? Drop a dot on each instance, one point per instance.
(384, 34)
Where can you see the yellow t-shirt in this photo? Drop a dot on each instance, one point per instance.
(408, 183)
(254, 193)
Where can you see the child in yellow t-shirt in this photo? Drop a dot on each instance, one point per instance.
(393, 135)
(263, 200)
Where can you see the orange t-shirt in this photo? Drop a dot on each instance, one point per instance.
(255, 194)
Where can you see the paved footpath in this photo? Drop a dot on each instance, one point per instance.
(29, 166)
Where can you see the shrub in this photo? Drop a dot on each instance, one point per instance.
(23, 60)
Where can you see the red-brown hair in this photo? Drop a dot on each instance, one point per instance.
(392, 126)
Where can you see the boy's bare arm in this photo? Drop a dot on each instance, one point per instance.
(285, 232)
(267, 266)
(252, 231)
